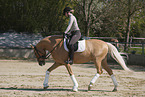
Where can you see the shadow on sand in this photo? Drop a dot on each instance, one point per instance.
(49, 89)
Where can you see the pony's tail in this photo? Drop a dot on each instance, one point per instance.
(116, 55)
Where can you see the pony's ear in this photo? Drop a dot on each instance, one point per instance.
(32, 46)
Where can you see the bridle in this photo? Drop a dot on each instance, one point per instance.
(38, 53)
(48, 54)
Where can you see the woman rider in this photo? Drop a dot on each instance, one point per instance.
(74, 32)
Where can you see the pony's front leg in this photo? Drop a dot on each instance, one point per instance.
(54, 66)
(45, 84)
(75, 87)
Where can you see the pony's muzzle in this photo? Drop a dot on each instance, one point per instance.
(41, 63)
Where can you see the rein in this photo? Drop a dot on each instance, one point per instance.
(48, 54)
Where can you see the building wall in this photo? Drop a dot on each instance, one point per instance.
(17, 53)
(136, 59)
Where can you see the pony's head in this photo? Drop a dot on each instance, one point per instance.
(40, 55)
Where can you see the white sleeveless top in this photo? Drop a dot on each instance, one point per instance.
(73, 25)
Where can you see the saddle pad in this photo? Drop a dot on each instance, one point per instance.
(81, 46)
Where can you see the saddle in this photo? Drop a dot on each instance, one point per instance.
(79, 46)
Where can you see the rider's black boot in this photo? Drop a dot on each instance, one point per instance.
(71, 55)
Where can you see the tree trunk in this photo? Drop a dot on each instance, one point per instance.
(127, 34)
(127, 28)
(88, 32)
(87, 29)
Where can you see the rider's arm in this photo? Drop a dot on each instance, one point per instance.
(70, 24)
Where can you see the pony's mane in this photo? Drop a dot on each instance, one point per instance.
(52, 37)
(56, 36)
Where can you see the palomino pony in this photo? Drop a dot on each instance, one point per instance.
(96, 51)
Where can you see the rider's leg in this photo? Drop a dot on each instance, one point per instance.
(75, 37)
(71, 54)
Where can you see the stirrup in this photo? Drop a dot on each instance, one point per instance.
(69, 62)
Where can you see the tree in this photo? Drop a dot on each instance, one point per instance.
(32, 15)
(90, 12)
(138, 24)
(95, 17)
(133, 6)
(84, 7)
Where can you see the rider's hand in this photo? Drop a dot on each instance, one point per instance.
(65, 35)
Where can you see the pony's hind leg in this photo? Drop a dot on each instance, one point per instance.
(99, 72)
(110, 72)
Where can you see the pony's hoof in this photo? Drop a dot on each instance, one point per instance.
(45, 87)
(89, 87)
(114, 90)
(75, 89)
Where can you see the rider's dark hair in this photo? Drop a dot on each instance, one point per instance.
(66, 9)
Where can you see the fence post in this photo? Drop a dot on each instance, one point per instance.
(142, 48)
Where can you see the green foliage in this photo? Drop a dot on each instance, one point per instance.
(95, 17)
(138, 25)
(107, 18)
(137, 50)
(32, 15)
